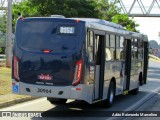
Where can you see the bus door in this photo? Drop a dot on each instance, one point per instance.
(99, 66)
(128, 64)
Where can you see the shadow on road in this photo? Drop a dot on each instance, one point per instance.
(83, 109)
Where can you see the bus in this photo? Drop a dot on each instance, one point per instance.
(77, 58)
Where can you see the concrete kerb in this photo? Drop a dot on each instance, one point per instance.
(16, 101)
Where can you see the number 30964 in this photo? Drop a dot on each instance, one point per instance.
(40, 90)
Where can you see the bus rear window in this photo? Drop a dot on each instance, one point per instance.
(45, 34)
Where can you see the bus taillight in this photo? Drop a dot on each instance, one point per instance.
(16, 67)
(47, 51)
(78, 73)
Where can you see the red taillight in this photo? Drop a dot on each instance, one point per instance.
(47, 51)
(16, 68)
(78, 73)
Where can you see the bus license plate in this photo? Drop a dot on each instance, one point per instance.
(41, 90)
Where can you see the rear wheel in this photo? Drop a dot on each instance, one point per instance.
(56, 100)
(111, 95)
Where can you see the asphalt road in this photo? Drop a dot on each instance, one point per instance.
(122, 103)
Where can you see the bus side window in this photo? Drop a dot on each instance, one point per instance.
(90, 38)
(107, 51)
(140, 49)
(112, 47)
(122, 48)
(134, 49)
(107, 40)
(117, 48)
(90, 46)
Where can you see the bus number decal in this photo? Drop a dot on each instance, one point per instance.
(40, 90)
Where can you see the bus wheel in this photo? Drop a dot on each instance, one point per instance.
(111, 95)
(56, 100)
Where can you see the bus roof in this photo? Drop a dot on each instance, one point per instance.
(100, 25)
(118, 28)
(102, 22)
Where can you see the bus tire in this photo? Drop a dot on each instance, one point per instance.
(56, 100)
(111, 95)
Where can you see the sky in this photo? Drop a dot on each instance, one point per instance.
(148, 25)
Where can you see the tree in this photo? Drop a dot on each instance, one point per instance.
(26, 8)
(103, 9)
(126, 22)
(3, 24)
(107, 9)
(68, 8)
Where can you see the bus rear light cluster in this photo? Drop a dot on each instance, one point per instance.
(78, 73)
(16, 68)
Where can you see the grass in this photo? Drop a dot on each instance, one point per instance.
(154, 58)
(5, 80)
(6, 86)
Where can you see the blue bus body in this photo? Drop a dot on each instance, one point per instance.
(77, 58)
(42, 50)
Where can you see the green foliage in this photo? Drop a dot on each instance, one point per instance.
(68, 8)
(26, 8)
(0, 50)
(126, 22)
(3, 24)
(107, 9)
(103, 9)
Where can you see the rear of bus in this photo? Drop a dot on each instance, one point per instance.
(47, 57)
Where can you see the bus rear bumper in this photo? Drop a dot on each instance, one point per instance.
(80, 92)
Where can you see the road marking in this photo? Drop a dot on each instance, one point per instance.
(144, 99)
(137, 104)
